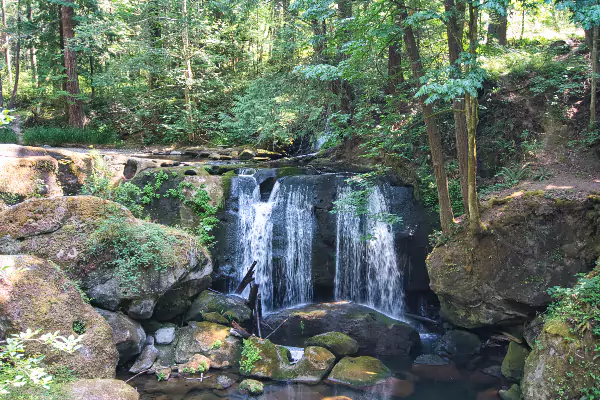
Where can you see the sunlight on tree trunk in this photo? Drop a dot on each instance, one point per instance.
(77, 118)
(594, 89)
(188, 76)
(6, 43)
(13, 96)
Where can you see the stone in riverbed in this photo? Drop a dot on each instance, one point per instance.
(128, 335)
(196, 365)
(145, 360)
(312, 367)
(336, 342)
(209, 339)
(224, 382)
(514, 361)
(211, 302)
(514, 393)
(99, 389)
(460, 346)
(165, 335)
(359, 372)
(251, 386)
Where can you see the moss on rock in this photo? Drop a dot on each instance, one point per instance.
(338, 343)
(231, 307)
(252, 387)
(359, 371)
(211, 340)
(514, 361)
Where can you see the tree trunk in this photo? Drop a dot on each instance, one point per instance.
(497, 28)
(522, 23)
(1, 95)
(346, 91)
(472, 121)
(433, 133)
(594, 77)
(395, 73)
(455, 30)
(13, 97)
(155, 34)
(77, 118)
(6, 43)
(589, 37)
(32, 52)
(188, 76)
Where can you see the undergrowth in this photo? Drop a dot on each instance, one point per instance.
(250, 355)
(55, 136)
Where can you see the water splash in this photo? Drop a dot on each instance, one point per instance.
(367, 271)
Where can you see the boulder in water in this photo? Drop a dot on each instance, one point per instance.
(359, 372)
(128, 335)
(376, 334)
(197, 364)
(338, 343)
(514, 361)
(313, 366)
(514, 393)
(99, 389)
(211, 302)
(460, 346)
(209, 339)
(261, 358)
(246, 154)
(36, 294)
(252, 387)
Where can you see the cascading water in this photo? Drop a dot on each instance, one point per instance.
(291, 284)
(367, 269)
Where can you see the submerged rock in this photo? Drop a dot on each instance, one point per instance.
(336, 342)
(66, 230)
(376, 334)
(502, 277)
(251, 386)
(209, 302)
(313, 366)
(460, 346)
(359, 372)
(561, 364)
(36, 294)
(99, 389)
(209, 339)
(128, 335)
(514, 361)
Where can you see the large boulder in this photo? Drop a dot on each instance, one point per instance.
(128, 335)
(359, 372)
(207, 302)
(502, 276)
(94, 241)
(36, 294)
(460, 346)
(99, 389)
(562, 365)
(376, 334)
(209, 339)
(336, 342)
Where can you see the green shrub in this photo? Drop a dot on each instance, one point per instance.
(55, 136)
(250, 355)
(7, 135)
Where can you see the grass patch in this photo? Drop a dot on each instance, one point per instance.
(55, 136)
(7, 136)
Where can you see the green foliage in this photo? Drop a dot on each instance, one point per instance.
(250, 355)
(79, 327)
(7, 135)
(134, 248)
(216, 345)
(20, 372)
(161, 376)
(55, 136)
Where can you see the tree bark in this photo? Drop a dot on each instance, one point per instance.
(472, 121)
(6, 43)
(594, 89)
(188, 75)
(522, 23)
(155, 34)
(77, 118)
(395, 73)
(33, 51)
(13, 97)
(589, 37)
(433, 133)
(497, 28)
(346, 90)
(455, 30)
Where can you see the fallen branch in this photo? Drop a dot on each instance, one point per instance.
(421, 319)
(275, 330)
(258, 315)
(136, 375)
(247, 279)
(253, 295)
(239, 330)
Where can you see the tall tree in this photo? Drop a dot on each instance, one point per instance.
(77, 116)
(433, 132)
(498, 23)
(13, 96)
(6, 44)
(594, 88)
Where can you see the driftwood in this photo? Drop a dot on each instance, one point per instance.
(258, 315)
(239, 330)
(422, 319)
(247, 279)
(138, 374)
(275, 330)
(253, 295)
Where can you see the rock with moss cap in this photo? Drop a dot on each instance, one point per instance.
(209, 339)
(99, 389)
(36, 294)
(313, 366)
(272, 361)
(215, 317)
(513, 393)
(561, 364)
(80, 233)
(359, 372)
(252, 387)
(338, 343)
(197, 364)
(210, 302)
(128, 335)
(514, 361)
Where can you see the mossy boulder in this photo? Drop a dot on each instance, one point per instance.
(226, 305)
(514, 361)
(215, 317)
(36, 294)
(561, 365)
(247, 154)
(209, 339)
(273, 363)
(338, 343)
(513, 393)
(502, 276)
(128, 335)
(458, 345)
(197, 364)
(252, 387)
(376, 334)
(313, 366)
(76, 232)
(99, 389)
(359, 372)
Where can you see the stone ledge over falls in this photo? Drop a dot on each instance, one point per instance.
(532, 243)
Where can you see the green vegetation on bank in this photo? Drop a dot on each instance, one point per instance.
(57, 136)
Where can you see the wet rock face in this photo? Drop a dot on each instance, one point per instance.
(224, 305)
(36, 294)
(128, 335)
(514, 362)
(209, 339)
(59, 229)
(459, 346)
(376, 334)
(503, 276)
(359, 372)
(336, 342)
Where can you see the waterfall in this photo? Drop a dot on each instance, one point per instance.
(367, 269)
(291, 284)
